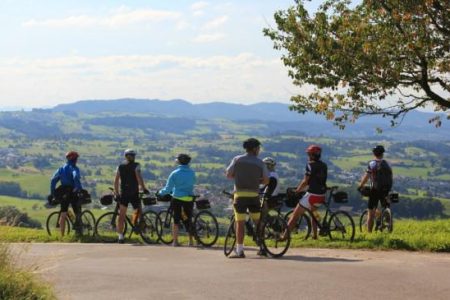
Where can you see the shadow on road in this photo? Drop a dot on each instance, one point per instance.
(301, 258)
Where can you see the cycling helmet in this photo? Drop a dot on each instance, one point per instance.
(72, 155)
(378, 150)
(251, 144)
(129, 152)
(314, 149)
(270, 162)
(183, 159)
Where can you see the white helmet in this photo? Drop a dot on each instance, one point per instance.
(270, 162)
(129, 152)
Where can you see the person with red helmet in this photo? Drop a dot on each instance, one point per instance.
(69, 176)
(315, 184)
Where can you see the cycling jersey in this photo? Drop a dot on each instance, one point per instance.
(317, 173)
(247, 170)
(273, 188)
(128, 181)
(180, 184)
(372, 169)
(69, 175)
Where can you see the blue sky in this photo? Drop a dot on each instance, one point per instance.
(61, 51)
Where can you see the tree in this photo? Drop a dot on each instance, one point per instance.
(381, 57)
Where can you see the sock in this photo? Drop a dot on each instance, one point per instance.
(121, 236)
(239, 248)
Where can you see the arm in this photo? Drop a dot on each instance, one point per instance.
(116, 182)
(55, 178)
(170, 184)
(230, 169)
(303, 184)
(270, 187)
(265, 176)
(364, 180)
(140, 179)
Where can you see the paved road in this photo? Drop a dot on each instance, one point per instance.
(93, 271)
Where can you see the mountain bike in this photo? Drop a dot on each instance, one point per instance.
(337, 225)
(384, 220)
(87, 223)
(205, 227)
(267, 235)
(146, 228)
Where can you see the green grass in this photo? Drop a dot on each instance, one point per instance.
(18, 283)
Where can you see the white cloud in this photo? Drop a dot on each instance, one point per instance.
(208, 38)
(199, 5)
(121, 17)
(244, 78)
(214, 23)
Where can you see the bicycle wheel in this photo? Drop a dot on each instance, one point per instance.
(165, 227)
(303, 228)
(341, 226)
(87, 223)
(363, 220)
(52, 224)
(149, 228)
(206, 228)
(230, 239)
(106, 227)
(272, 230)
(387, 223)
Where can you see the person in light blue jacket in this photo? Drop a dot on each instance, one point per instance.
(180, 185)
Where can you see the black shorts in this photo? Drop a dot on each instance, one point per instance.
(70, 199)
(178, 206)
(242, 204)
(375, 197)
(132, 199)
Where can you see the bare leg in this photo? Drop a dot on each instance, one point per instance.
(240, 232)
(175, 229)
(121, 222)
(371, 217)
(314, 224)
(298, 211)
(62, 222)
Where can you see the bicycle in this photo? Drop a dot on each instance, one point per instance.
(303, 226)
(146, 228)
(268, 234)
(87, 219)
(205, 226)
(384, 219)
(337, 225)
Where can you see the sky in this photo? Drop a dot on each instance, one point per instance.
(55, 52)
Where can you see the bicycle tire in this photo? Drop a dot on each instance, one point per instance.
(272, 230)
(105, 228)
(303, 227)
(341, 226)
(52, 224)
(149, 231)
(165, 227)
(230, 239)
(206, 228)
(87, 223)
(363, 220)
(387, 221)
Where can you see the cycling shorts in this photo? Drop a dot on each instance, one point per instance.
(309, 200)
(375, 197)
(243, 204)
(132, 199)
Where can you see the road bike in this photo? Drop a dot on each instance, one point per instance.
(384, 220)
(268, 235)
(205, 227)
(146, 227)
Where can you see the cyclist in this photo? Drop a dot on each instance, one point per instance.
(248, 172)
(69, 176)
(272, 188)
(126, 186)
(315, 183)
(180, 185)
(380, 174)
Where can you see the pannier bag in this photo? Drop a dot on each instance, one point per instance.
(365, 191)
(393, 197)
(276, 201)
(202, 204)
(148, 200)
(107, 199)
(84, 197)
(165, 198)
(292, 198)
(340, 197)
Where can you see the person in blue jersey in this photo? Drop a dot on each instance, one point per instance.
(180, 185)
(69, 176)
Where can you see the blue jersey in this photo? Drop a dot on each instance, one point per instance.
(68, 175)
(180, 183)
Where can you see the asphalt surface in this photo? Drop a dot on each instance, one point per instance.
(94, 271)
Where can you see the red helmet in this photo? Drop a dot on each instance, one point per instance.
(314, 149)
(72, 155)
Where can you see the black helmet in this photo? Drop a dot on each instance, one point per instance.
(251, 144)
(183, 159)
(378, 150)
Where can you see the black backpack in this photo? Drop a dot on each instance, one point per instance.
(382, 179)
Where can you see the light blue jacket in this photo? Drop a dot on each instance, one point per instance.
(180, 183)
(69, 175)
